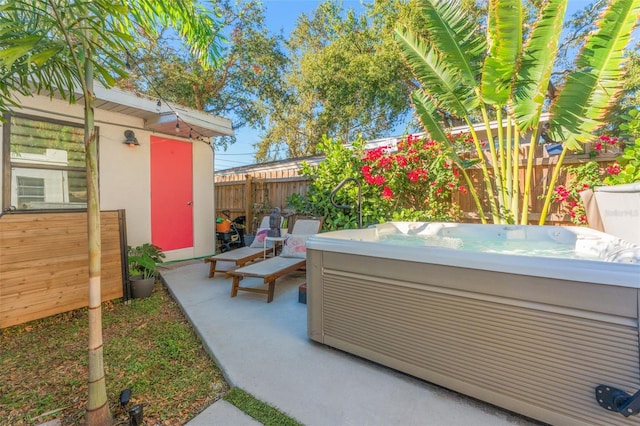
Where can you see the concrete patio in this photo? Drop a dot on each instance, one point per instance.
(264, 349)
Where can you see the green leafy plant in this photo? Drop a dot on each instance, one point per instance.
(143, 260)
(629, 161)
(582, 177)
(340, 162)
(415, 181)
(465, 74)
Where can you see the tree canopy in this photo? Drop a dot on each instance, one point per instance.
(338, 73)
(345, 79)
(249, 74)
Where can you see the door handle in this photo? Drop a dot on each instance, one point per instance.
(190, 203)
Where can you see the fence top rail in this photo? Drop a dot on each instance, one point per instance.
(269, 180)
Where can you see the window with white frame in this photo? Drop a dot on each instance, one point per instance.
(30, 190)
(46, 162)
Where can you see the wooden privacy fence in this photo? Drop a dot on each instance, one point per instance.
(254, 193)
(254, 196)
(44, 263)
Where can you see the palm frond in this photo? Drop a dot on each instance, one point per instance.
(455, 36)
(505, 40)
(203, 32)
(593, 88)
(426, 110)
(537, 63)
(435, 75)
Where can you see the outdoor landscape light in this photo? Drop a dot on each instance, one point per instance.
(135, 415)
(125, 396)
(130, 138)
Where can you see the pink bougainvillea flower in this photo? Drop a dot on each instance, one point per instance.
(417, 174)
(374, 154)
(463, 189)
(401, 160)
(413, 175)
(598, 146)
(608, 140)
(613, 169)
(429, 144)
(387, 193)
(561, 194)
(385, 162)
(378, 180)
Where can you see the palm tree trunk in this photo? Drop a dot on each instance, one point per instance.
(551, 185)
(98, 412)
(495, 217)
(529, 173)
(515, 164)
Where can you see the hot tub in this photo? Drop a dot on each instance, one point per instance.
(529, 318)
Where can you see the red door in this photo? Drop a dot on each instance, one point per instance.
(171, 194)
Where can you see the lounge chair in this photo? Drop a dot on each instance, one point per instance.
(239, 257)
(292, 258)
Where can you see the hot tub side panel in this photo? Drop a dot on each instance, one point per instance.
(536, 346)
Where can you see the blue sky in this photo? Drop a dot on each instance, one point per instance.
(282, 15)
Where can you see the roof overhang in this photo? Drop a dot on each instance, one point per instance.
(161, 119)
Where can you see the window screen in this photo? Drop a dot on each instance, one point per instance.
(47, 161)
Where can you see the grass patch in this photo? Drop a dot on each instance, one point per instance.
(149, 347)
(261, 411)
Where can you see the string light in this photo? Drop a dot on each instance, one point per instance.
(199, 136)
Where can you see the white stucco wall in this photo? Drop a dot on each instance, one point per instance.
(204, 208)
(125, 173)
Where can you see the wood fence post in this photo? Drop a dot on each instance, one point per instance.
(248, 202)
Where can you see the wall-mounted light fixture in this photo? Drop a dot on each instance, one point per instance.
(130, 138)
